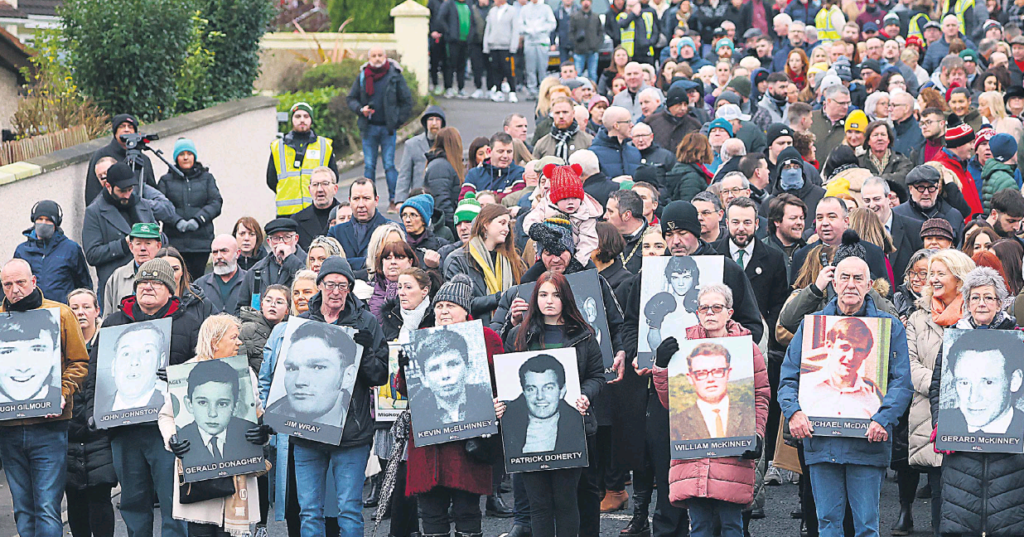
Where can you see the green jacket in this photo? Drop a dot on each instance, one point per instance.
(995, 176)
(684, 181)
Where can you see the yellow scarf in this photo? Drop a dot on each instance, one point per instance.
(498, 278)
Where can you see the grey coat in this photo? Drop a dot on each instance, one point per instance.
(412, 166)
(103, 236)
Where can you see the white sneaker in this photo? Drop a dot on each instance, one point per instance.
(772, 476)
(512, 97)
(504, 86)
(463, 94)
(450, 93)
(438, 90)
(497, 96)
(478, 94)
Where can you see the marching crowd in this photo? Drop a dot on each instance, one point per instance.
(853, 158)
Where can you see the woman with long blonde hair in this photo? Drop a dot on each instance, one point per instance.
(445, 171)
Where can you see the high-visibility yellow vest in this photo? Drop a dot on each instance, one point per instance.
(960, 10)
(823, 22)
(293, 183)
(916, 26)
(627, 35)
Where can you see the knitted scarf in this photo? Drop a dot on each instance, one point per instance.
(411, 320)
(562, 139)
(947, 315)
(498, 278)
(374, 74)
(881, 163)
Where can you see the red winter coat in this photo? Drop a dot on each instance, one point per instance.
(448, 465)
(729, 479)
(967, 186)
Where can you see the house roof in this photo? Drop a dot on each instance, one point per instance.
(8, 11)
(13, 55)
(47, 8)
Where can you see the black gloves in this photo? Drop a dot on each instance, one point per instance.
(755, 450)
(363, 338)
(179, 448)
(259, 434)
(162, 374)
(658, 307)
(668, 347)
(403, 359)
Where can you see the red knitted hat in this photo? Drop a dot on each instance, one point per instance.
(957, 132)
(565, 182)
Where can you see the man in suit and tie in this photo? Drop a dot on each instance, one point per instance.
(717, 413)
(905, 232)
(212, 400)
(987, 375)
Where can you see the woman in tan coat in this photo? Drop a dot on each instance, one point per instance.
(940, 306)
(233, 515)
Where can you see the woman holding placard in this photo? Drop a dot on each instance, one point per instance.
(715, 491)
(553, 321)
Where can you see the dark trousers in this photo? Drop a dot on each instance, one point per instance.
(935, 481)
(503, 68)
(669, 520)
(554, 511)
(404, 516)
(90, 513)
(611, 478)
(588, 492)
(481, 67)
(465, 511)
(521, 507)
(771, 431)
(438, 60)
(263, 484)
(206, 530)
(195, 263)
(457, 54)
(643, 486)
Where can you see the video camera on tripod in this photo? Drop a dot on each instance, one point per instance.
(135, 144)
(134, 141)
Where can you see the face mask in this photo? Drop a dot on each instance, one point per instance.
(44, 231)
(791, 179)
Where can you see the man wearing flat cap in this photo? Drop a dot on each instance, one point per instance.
(285, 259)
(927, 201)
(293, 159)
(122, 124)
(109, 220)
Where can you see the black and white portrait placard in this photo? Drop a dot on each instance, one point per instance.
(711, 398)
(590, 301)
(449, 384)
(313, 380)
(668, 298)
(844, 370)
(541, 428)
(127, 388)
(30, 364)
(387, 402)
(980, 395)
(214, 404)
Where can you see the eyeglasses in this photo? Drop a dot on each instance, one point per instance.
(278, 239)
(716, 308)
(277, 302)
(988, 299)
(717, 373)
(321, 184)
(330, 287)
(736, 190)
(922, 275)
(929, 188)
(929, 123)
(842, 103)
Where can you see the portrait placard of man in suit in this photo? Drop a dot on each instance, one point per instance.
(127, 388)
(713, 398)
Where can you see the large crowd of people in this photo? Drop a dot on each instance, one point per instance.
(843, 158)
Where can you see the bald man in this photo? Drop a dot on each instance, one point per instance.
(383, 102)
(223, 286)
(34, 450)
(615, 152)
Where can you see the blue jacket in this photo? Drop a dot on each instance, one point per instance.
(345, 233)
(488, 177)
(58, 264)
(909, 139)
(845, 450)
(803, 12)
(938, 50)
(616, 159)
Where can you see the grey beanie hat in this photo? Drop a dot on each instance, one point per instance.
(156, 270)
(458, 291)
(336, 265)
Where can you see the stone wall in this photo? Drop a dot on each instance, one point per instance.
(232, 139)
(8, 97)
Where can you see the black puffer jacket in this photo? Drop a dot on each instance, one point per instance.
(90, 461)
(443, 182)
(391, 318)
(194, 196)
(254, 333)
(981, 492)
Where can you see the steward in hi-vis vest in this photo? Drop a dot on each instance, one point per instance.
(293, 159)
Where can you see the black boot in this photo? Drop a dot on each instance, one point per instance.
(905, 522)
(496, 506)
(639, 526)
(374, 498)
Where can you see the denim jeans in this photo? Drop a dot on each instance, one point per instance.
(706, 513)
(145, 469)
(586, 65)
(834, 484)
(374, 137)
(35, 460)
(536, 65)
(312, 460)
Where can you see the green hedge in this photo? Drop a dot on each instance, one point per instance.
(326, 88)
(370, 16)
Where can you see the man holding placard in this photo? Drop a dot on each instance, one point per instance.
(845, 469)
(34, 450)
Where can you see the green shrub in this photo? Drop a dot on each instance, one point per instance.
(337, 75)
(373, 16)
(236, 59)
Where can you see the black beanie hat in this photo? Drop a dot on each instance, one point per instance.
(788, 154)
(680, 215)
(49, 209)
(851, 247)
(123, 118)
